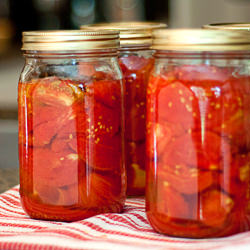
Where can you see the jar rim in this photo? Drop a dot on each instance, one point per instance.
(131, 33)
(57, 40)
(227, 26)
(201, 40)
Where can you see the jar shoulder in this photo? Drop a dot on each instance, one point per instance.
(74, 69)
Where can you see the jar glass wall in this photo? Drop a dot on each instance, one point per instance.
(198, 143)
(136, 66)
(70, 134)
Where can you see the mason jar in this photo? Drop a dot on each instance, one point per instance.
(70, 97)
(198, 137)
(136, 61)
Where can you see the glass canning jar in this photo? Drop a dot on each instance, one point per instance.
(136, 61)
(198, 137)
(70, 97)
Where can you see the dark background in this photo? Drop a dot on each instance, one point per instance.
(69, 14)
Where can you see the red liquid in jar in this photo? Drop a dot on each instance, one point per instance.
(198, 151)
(70, 148)
(135, 71)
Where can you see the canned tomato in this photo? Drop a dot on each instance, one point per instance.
(198, 139)
(70, 125)
(136, 61)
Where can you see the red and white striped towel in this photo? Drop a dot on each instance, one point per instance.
(126, 231)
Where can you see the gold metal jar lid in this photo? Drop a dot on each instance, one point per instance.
(131, 33)
(201, 40)
(227, 26)
(69, 40)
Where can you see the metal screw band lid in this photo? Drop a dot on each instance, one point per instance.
(68, 40)
(201, 40)
(131, 33)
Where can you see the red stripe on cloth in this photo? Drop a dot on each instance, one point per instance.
(10, 204)
(130, 217)
(4, 224)
(9, 212)
(10, 199)
(125, 225)
(140, 217)
(66, 232)
(14, 193)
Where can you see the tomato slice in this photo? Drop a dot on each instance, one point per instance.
(60, 196)
(61, 145)
(43, 114)
(236, 112)
(77, 122)
(46, 131)
(94, 135)
(53, 91)
(92, 115)
(171, 203)
(184, 179)
(135, 120)
(104, 157)
(96, 154)
(53, 100)
(160, 135)
(241, 167)
(106, 120)
(43, 134)
(176, 103)
(196, 150)
(215, 208)
(234, 178)
(58, 169)
(108, 92)
(224, 111)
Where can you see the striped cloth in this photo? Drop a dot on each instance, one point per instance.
(127, 231)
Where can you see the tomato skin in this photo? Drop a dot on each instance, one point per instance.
(48, 194)
(70, 142)
(135, 69)
(198, 150)
(198, 172)
(215, 207)
(178, 104)
(185, 180)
